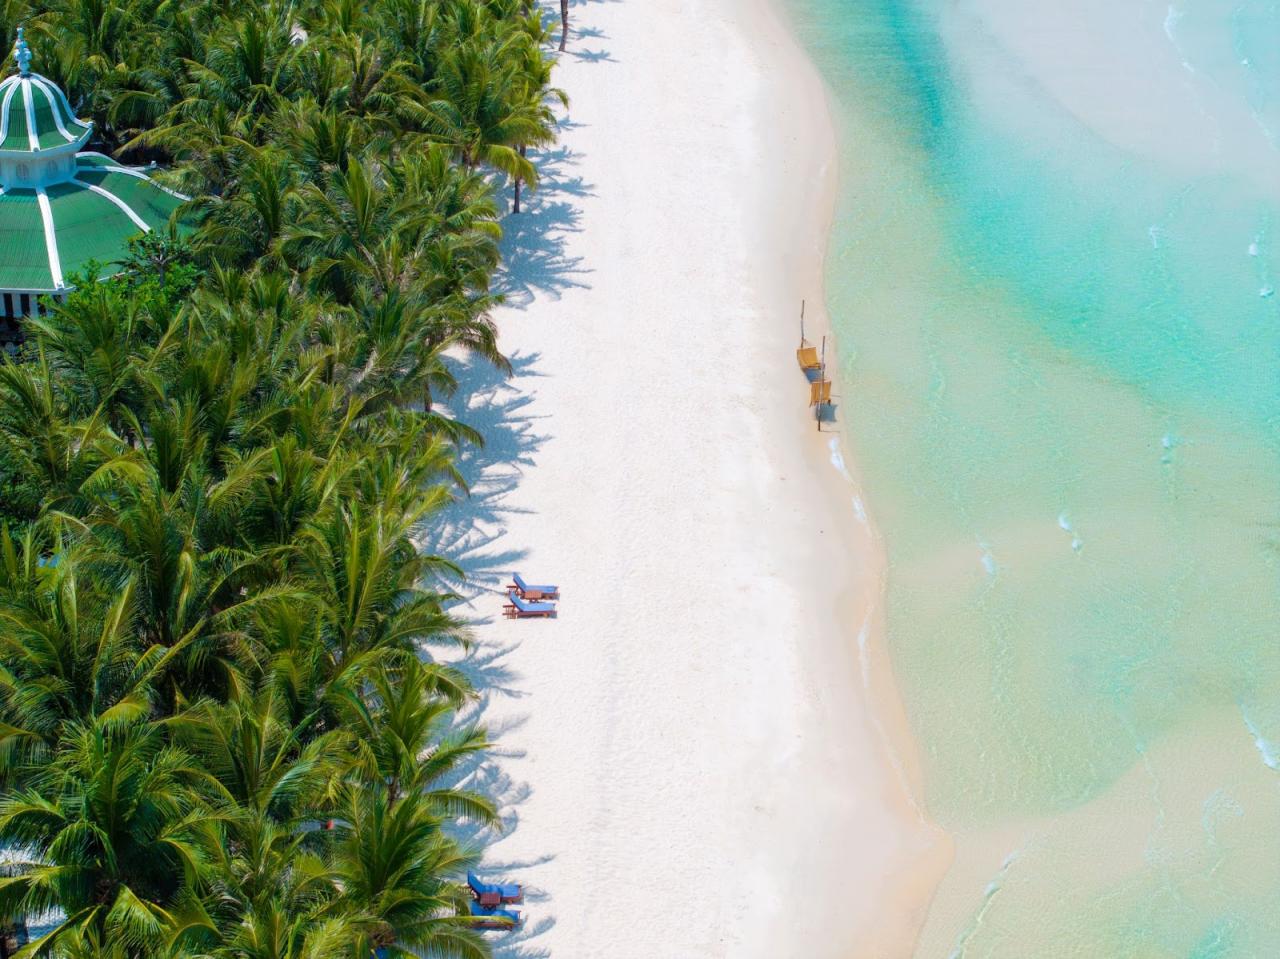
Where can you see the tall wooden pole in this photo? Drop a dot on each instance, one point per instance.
(822, 379)
(802, 322)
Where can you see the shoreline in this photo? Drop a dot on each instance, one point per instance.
(913, 884)
(701, 738)
(991, 382)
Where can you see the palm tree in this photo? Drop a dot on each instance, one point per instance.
(71, 657)
(479, 108)
(405, 726)
(221, 733)
(120, 841)
(535, 78)
(564, 24)
(246, 225)
(392, 864)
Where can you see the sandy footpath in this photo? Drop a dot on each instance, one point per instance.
(687, 758)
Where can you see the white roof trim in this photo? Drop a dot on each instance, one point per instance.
(50, 238)
(33, 138)
(53, 108)
(65, 102)
(4, 110)
(139, 221)
(142, 176)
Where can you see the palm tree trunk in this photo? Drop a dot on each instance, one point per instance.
(564, 23)
(516, 207)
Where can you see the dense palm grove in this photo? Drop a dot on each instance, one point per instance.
(224, 734)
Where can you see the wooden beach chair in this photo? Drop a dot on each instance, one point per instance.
(819, 392)
(494, 893)
(532, 592)
(807, 357)
(519, 609)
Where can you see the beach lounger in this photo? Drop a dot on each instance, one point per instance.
(489, 918)
(820, 392)
(807, 356)
(493, 893)
(519, 609)
(533, 592)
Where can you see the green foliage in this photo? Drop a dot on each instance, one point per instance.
(215, 628)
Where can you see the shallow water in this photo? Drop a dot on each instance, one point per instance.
(1053, 277)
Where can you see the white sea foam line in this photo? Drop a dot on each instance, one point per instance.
(859, 510)
(1064, 521)
(1218, 804)
(988, 895)
(53, 108)
(837, 460)
(32, 139)
(986, 558)
(50, 237)
(837, 457)
(139, 221)
(1265, 749)
(1170, 25)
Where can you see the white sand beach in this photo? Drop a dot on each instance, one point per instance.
(688, 755)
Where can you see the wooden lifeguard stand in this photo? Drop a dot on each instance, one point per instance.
(814, 365)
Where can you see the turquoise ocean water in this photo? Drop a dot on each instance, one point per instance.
(1053, 277)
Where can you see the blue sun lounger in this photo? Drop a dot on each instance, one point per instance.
(491, 893)
(520, 609)
(489, 918)
(533, 592)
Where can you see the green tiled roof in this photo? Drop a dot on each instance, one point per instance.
(24, 262)
(11, 107)
(93, 216)
(29, 101)
(88, 160)
(144, 197)
(89, 227)
(59, 209)
(47, 132)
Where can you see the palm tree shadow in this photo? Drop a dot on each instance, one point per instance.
(594, 56)
(518, 944)
(533, 241)
(469, 530)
